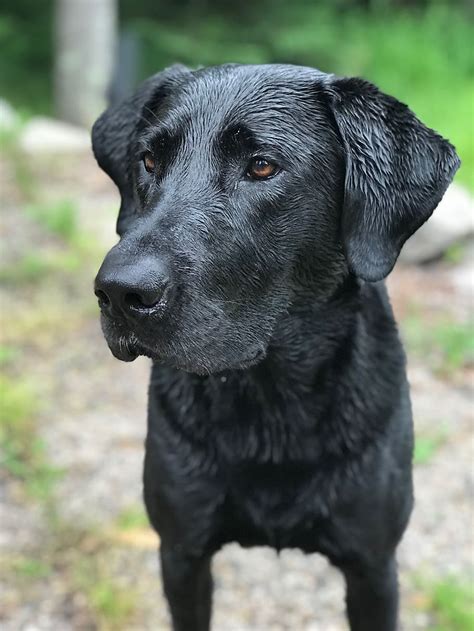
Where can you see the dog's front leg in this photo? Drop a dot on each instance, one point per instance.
(187, 582)
(372, 597)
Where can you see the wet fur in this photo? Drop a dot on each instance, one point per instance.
(279, 409)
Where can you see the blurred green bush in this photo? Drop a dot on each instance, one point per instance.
(421, 52)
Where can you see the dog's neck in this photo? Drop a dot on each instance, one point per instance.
(310, 335)
(322, 353)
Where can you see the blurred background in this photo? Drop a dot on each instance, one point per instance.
(76, 552)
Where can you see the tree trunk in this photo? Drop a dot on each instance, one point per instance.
(85, 44)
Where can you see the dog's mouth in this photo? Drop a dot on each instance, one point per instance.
(122, 342)
(127, 346)
(124, 349)
(127, 349)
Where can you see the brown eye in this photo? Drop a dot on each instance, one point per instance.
(149, 162)
(261, 169)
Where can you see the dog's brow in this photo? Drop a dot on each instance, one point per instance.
(236, 133)
(154, 137)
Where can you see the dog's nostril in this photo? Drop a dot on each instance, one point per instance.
(135, 301)
(103, 298)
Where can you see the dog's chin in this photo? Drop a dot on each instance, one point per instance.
(123, 350)
(212, 365)
(127, 349)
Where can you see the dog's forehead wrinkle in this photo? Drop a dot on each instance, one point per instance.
(213, 100)
(258, 92)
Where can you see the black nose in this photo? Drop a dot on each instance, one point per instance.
(130, 288)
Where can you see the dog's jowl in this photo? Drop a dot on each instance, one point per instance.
(262, 207)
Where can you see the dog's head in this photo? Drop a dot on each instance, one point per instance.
(244, 188)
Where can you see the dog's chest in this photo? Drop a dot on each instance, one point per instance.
(259, 460)
(277, 487)
(263, 425)
(277, 505)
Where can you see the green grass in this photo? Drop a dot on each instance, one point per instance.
(456, 342)
(21, 168)
(50, 323)
(112, 604)
(76, 250)
(451, 603)
(84, 561)
(455, 254)
(426, 447)
(60, 218)
(38, 266)
(31, 569)
(447, 346)
(8, 354)
(22, 451)
(30, 268)
(132, 517)
(9, 137)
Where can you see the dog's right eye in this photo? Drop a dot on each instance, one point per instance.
(149, 162)
(261, 169)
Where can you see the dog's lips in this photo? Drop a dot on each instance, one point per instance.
(122, 347)
(124, 352)
(122, 342)
(128, 348)
(126, 344)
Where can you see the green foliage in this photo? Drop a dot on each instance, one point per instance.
(446, 345)
(421, 57)
(421, 53)
(22, 451)
(60, 217)
(26, 60)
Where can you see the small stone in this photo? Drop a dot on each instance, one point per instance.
(451, 222)
(48, 136)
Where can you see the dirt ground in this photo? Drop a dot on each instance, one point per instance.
(76, 552)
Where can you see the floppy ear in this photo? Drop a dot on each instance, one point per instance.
(113, 132)
(397, 171)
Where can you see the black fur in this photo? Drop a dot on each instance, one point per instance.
(279, 410)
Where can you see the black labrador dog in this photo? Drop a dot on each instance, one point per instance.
(261, 206)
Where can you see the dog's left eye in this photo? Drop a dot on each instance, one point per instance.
(149, 162)
(261, 169)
